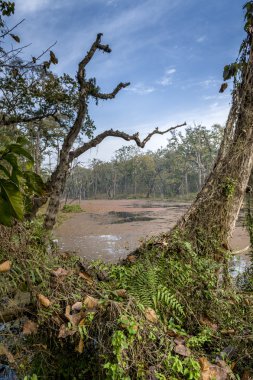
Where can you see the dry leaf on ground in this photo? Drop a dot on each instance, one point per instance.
(4, 351)
(77, 306)
(90, 302)
(30, 327)
(64, 332)
(5, 266)
(182, 350)
(121, 293)
(86, 277)
(151, 315)
(206, 322)
(60, 272)
(212, 371)
(80, 347)
(75, 318)
(44, 301)
(131, 258)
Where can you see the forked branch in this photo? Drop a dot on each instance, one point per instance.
(89, 55)
(125, 136)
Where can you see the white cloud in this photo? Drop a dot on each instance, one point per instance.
(201, 39)
(112, 2)
(167, 78)
(141, 89)
(210, 82)
(31, 5)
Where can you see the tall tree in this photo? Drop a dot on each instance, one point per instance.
(213, 215)
(87, 89)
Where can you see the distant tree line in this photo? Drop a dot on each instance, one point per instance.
(179, 169)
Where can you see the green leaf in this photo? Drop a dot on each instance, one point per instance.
(11, 159)
(223, 87)
(6, 172)
(5, 213)
(18, 149)
(22, 140)
(53, 58)
(34, 182)
(15, 37)
(226, 72)
(12, 195)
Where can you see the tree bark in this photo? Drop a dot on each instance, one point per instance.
(213, 215)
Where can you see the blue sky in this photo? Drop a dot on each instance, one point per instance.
(172, 51)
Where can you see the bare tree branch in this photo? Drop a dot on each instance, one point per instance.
(95, 46)
(10, 30)
(99, 95)
(111, 133)
(5, 121)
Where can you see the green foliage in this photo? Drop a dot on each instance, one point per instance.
(17, 181)
(235, 70)
(199, 340)
(228, 187)
(116, 371)
(175, 171)
(72, 208)
(7, 8)
(187, 368)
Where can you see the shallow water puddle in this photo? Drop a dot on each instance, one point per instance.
(106, 247)
(110, 229)
(239, 264)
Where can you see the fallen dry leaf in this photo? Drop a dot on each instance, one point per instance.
(90, 302)
(151, 315)
(86, 277)
(82, 322)
(8, 354)
(131, 258)
(44, 301)
(64, 332)
(212, 371)
(182, 350)
(67, 312)
(30, 327)
(80, 347)
(179, 340)
(204, 363)
(206, 322)
(5, 266)
(75, 318)
(121, 293)
(228, 332)
(77, 306)
(60, 272)
(247, 375)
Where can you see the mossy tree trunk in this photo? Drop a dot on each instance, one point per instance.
(212, 217)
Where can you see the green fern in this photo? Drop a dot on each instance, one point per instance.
(166, 298)
(148, 284)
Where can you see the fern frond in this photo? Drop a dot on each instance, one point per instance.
(166, 298)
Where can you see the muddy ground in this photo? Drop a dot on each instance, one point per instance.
(110, 229)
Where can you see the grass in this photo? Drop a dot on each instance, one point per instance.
(72, 208)
(141, 309)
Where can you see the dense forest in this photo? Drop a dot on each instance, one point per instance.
(178, 170)
(171, 309)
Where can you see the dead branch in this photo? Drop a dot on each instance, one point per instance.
(111, 133)
(5, 121)
(99, 95)
(89, 55)
(8, 31)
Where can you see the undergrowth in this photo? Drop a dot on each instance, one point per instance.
(151, 318)
(72, 208)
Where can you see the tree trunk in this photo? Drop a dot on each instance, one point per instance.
(57, 188)
(37, 153)
(213, 215)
